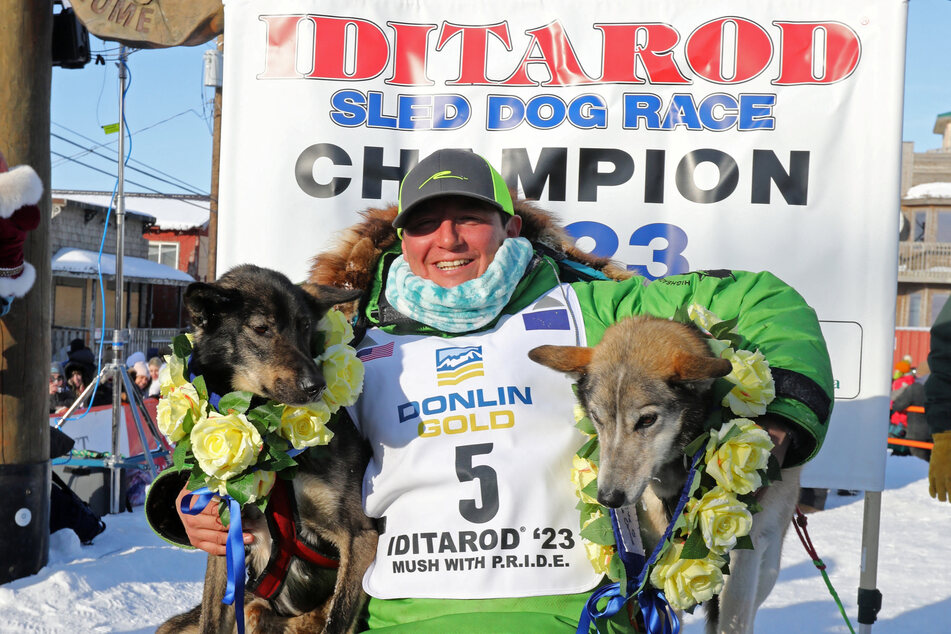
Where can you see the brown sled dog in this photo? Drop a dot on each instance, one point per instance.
(646, 387)
(253, 332)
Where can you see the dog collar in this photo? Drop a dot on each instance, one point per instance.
(283, 524)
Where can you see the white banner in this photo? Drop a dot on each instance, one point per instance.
(672, 137)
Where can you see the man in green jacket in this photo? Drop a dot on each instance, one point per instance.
(473, 443)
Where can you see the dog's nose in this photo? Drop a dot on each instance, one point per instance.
(611, 499)
(312, 386)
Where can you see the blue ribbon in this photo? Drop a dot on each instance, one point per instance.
(659, 617)
(616, 601)
(234, 592)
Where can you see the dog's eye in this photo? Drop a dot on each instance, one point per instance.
(261, 329)
(645, 421)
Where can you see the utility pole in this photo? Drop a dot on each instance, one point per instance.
(215, 157)
(25, 76)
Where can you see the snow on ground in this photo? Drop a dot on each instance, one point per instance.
(129, 580)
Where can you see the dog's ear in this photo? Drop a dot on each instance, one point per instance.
(205, 302)
(569, 359)
(328, 296)
(688, 367)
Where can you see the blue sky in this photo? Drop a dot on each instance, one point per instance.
(169, 111)
(927, 72)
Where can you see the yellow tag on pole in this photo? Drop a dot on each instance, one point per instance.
(112, 128)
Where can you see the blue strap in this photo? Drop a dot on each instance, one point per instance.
(633, 562)
(590, 612)
(659, 617)
(234, 592)
(584, 269)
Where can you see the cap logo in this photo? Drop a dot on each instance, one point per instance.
(442, 174)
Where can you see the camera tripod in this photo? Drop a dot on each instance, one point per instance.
(140, 415)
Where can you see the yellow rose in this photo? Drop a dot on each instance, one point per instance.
(598, 554)
(263, 483)
(306, 426)
(702, 317)
(734, 463)
(225, 444)
(175, 403)
(343, 372)
(172, 374)
(579, 412)
(687, 582)
(721, 518)
(336, 328)
(754, 386)
(582, 473)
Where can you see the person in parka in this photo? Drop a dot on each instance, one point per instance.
(472, 442)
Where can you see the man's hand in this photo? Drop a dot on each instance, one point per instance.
(205, 530)
(778, 432)
(939, 467)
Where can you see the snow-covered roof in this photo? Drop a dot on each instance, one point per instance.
(930, 190)
(171, 212)
(83, 263)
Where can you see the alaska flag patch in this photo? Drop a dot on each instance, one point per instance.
(455, 365)
(555, 319)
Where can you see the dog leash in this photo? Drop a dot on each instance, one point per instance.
(799, 522)
(234, 547)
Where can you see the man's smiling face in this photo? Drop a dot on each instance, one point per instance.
(453, 239)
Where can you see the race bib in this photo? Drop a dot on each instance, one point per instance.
(472, 446)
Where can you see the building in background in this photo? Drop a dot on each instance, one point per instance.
(924, 250)
(153, 288)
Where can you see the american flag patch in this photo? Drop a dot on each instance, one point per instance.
(375, 352)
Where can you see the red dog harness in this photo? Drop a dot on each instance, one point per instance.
(283, 520)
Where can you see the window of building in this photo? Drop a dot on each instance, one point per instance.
(164, 253)
(944, 227)
(69, 303)
(914, 309)
(918, 230)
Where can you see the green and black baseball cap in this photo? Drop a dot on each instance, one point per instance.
(452, 172)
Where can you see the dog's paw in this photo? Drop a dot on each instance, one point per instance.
(255, 614)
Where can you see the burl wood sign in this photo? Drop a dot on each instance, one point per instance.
(152, 23)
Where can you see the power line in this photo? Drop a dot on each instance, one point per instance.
(110, 143)
(88, 150)
(96, 169)
(109, 158)
(154, 191)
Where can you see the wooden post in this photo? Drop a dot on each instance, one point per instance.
(25, 76)
(213, 202)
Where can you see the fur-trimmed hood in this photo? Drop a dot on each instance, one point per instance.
(352, 262)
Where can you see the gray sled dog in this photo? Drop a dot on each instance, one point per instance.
(646, 388)
(253, 332)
